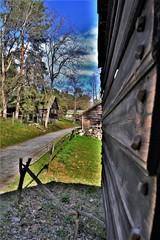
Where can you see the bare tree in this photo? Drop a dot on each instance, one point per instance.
(75, 87)
(95, 87)
(63, 54)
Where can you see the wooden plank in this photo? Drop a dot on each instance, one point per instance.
(112, 7)
(131, 117)
(132, 10)
(118, 215)
(103, 8)
(112, 40)
(109, 222)
(137, 205)
(128, 85)
(156, 31)
(129, 65)
(154, 150)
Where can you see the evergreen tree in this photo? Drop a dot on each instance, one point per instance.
(24, 23)
(34, 23)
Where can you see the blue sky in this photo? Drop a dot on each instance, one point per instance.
(82, 13)
(83, 16)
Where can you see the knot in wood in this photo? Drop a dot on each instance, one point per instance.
(143, 188)
(139, 52)
(141, 95)
(135, 234)
(136, 145)
(140, 24)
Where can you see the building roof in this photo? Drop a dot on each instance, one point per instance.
(44, 107)
(90, 108)
(71, 112)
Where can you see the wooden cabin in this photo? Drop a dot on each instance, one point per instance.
(92, 117)
(129, 58)
(40, 114)
(70, 115)
(53, 112)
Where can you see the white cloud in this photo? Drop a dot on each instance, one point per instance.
(87, 72)
(89, 39)
(92, 32)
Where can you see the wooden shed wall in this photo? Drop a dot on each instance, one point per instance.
(92, 117)
(129, 55)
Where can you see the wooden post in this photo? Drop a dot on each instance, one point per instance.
(13, 118)
(76, 226)
(72, 134)
(21, 119)
(82, 123)
(51, 153)
(22, 171)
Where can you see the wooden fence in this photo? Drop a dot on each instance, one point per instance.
(54, 151)
(33, 118)
(12, 116)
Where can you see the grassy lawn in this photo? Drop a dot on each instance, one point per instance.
(78, 162)
(11, 134)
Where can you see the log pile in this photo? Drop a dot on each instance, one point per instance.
(94, 131)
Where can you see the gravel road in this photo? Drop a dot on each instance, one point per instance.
(34, 148)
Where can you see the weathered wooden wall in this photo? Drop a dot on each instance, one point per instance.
(129, 56)
(92, 117)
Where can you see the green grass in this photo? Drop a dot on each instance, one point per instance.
(78, 162)
(61, 124)
(11, 134)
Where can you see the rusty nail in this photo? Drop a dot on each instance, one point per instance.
(141, 95)
(136, 143)
(135, 234)
(140, 24)
(143, 188)
(139, 52)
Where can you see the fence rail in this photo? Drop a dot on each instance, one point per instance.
(25, 118)
(12, 116)
(54, 151)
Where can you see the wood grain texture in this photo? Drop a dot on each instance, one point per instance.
(130, 80)
(92, 117)
(131, 117)
(124, 176)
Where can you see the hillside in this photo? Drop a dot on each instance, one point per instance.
(15, 133)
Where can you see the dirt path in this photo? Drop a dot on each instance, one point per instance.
(34, 148)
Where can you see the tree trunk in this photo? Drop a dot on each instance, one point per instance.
(18, 102)
(75, 109)
(47, 114)
(4, 99)
(23, 50)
